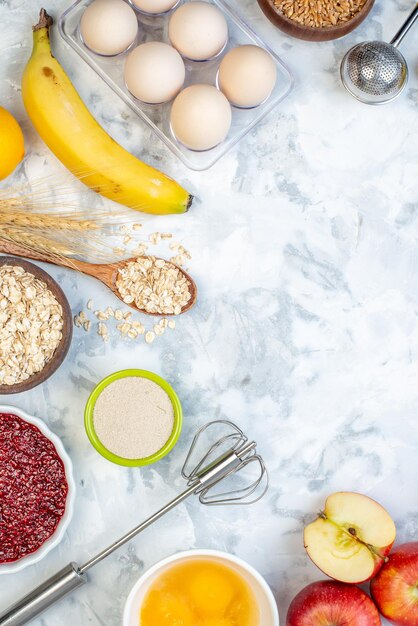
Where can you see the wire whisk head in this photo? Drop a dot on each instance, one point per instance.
(219, 453)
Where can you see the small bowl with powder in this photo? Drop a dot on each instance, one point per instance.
(133, 417)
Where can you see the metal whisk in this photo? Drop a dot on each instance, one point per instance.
(221, 459)
(376, 72)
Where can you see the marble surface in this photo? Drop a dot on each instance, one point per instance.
(304, 244)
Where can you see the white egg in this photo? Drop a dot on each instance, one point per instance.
(154, 72)
(108, 27)
(200, 117)
(154, 6)
(198, 30)
(247, 76)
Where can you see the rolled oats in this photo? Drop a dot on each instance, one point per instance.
(149, 336)
(31, 322)
(154, 285)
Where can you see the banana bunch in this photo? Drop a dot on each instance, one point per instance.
(82, 145)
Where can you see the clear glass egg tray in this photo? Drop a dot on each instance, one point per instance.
(155, 28)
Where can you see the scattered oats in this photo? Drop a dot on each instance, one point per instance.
(172, 324)
(77, 321)
(136, 226)
(127, 239)
(166, 235)
(90, 304)
(110, 312)
(154, 285)
(184, 252)
(125, 229)
(82, 316)
(118, 251)
(178, 259)
(138, 327)
(103, 331)
(127, 315)
(140, 250)
(101, 315)
(159, 330)
(87, 326)
(149, 336)
(132, 333)
(118, 314)
(155, 238)
(123, 328)
(163, 322)
(31, 323)
(174, 245)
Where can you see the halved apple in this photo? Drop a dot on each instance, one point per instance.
(351, 538)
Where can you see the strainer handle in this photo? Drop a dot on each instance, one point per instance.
(405, 28)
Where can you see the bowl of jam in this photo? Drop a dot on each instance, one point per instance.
(36, 489)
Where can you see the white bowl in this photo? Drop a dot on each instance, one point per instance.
(55, 538)
(269, 615)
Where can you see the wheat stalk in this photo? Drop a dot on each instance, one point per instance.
(47, 218)
(34, 241)
(40, 221)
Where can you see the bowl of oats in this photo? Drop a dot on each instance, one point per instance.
(35, 325)
(316, 20)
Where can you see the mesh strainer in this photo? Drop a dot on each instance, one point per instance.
(375, 72)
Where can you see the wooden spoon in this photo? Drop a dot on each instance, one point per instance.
(105, 272)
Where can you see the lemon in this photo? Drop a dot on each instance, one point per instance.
(12, 146)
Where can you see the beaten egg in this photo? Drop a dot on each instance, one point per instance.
(108, 27)
(198, 30)
(200, 117)
(199, 592)
(154, 72)
(247, 76)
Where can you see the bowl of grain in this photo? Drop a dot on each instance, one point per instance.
(316, 20)
(133, 418)
(35, 325)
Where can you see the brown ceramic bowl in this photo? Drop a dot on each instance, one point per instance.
(67, 329)
(310, 33)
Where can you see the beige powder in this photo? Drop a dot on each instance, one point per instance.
(133, 417)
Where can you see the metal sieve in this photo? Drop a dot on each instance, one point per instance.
(220, 452)
(376, 72)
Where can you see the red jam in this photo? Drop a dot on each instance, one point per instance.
(33, 488)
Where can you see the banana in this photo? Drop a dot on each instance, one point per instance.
(82, 145)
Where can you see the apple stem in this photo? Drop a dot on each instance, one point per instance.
(377, 554)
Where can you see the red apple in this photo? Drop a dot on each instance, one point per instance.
(395, 588)
(351, 538)
(330, 603)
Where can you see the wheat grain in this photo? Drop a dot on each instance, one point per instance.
(319, 13)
